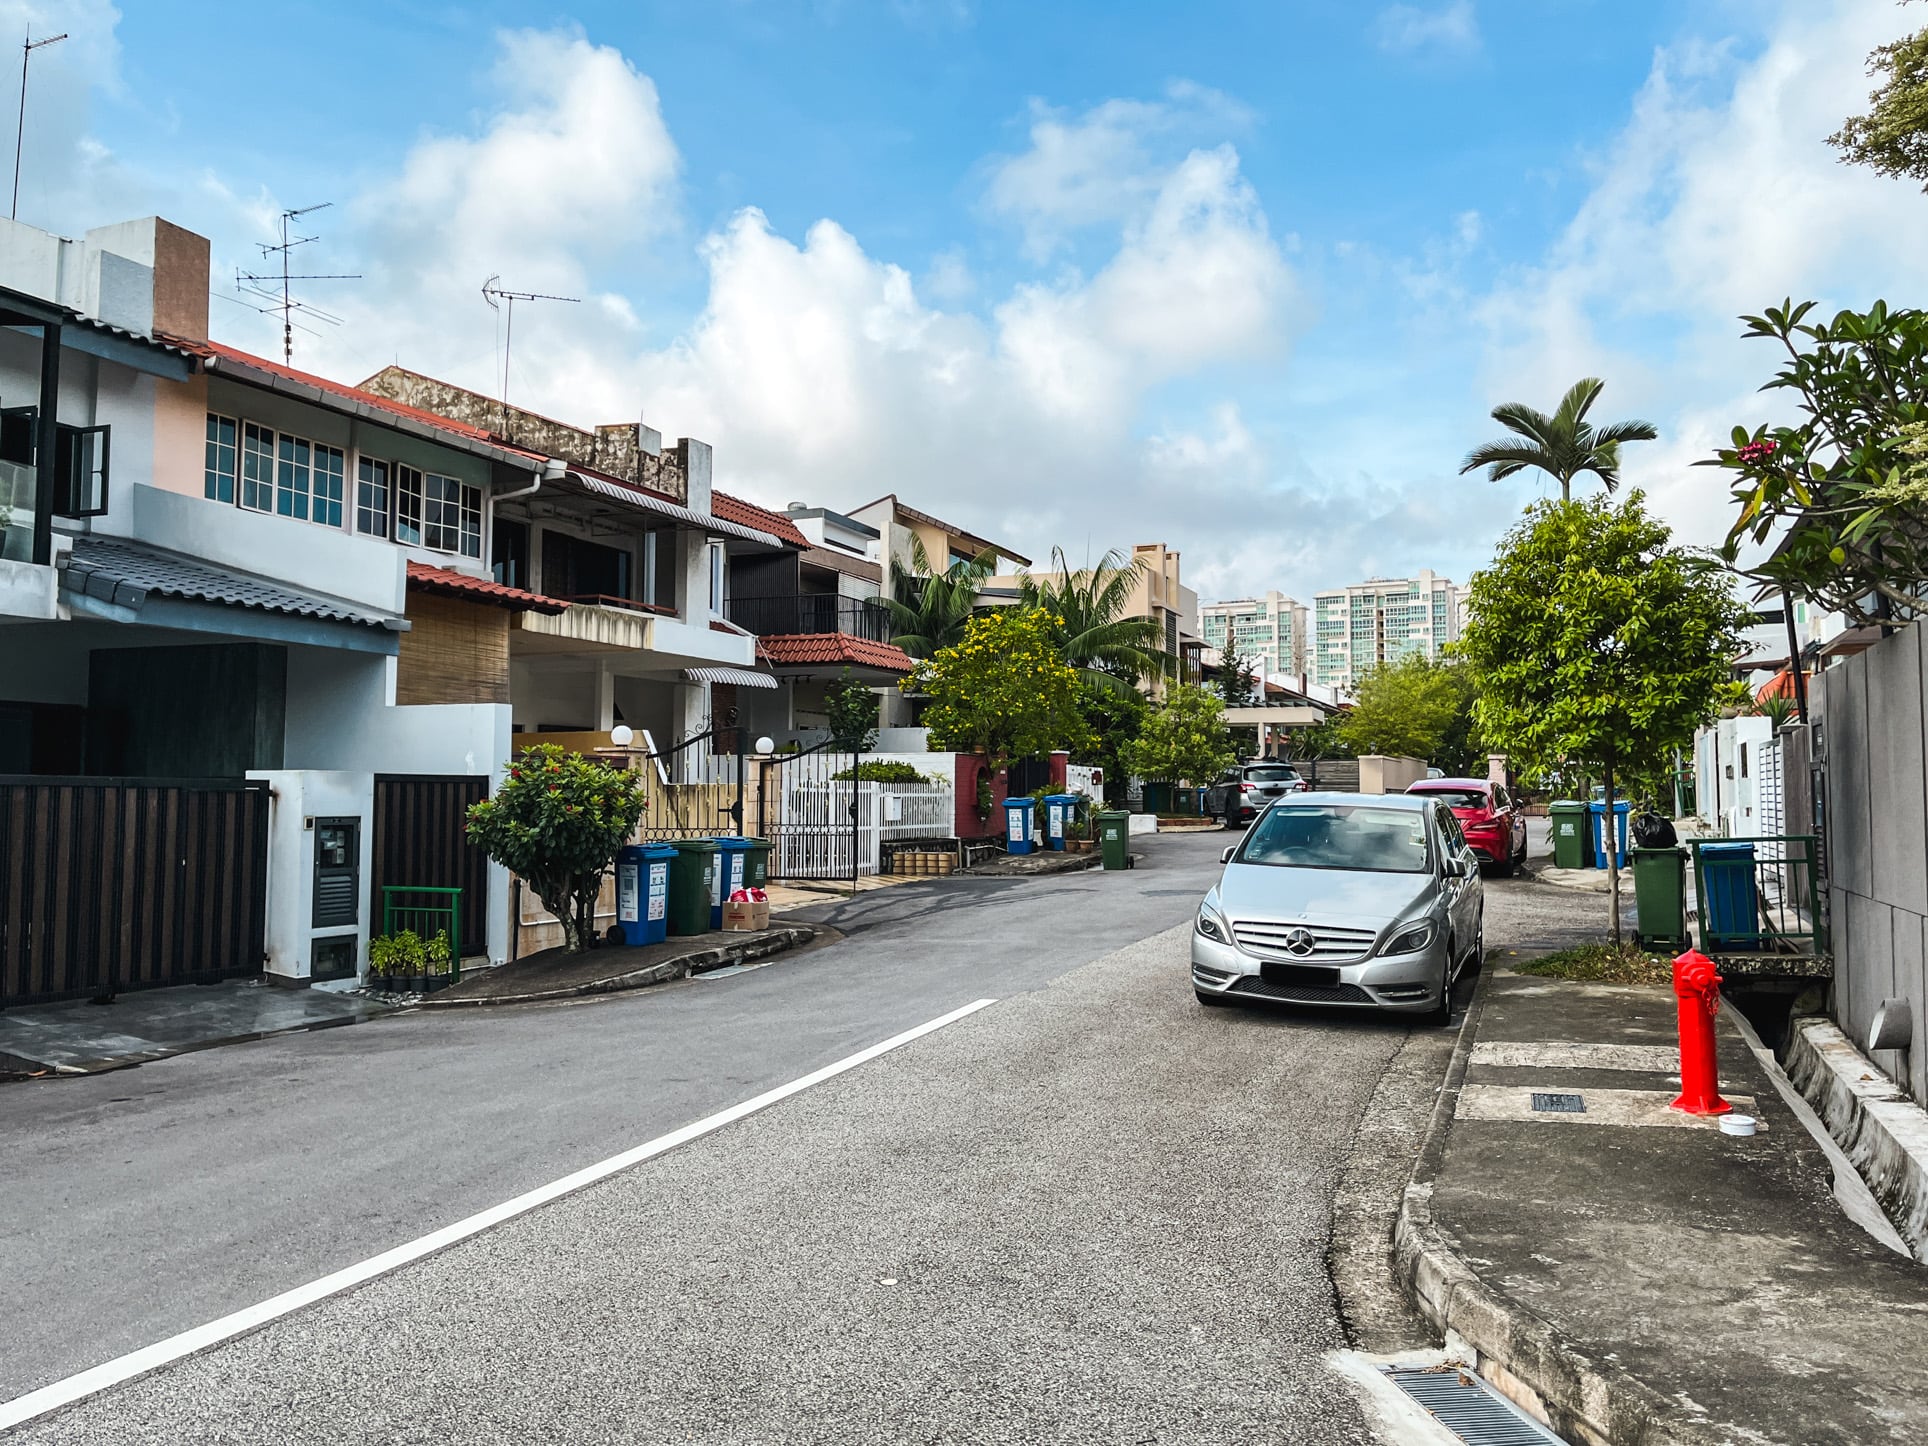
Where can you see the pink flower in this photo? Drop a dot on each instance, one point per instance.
(1758, 451)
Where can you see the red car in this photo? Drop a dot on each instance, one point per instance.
(1494, 824)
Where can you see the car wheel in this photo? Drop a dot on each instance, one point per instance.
(1441, 1014)
(1212, 999)
(1476, 960)
(1520, 857)
(1503, 868)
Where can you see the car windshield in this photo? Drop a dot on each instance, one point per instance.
(1455, 797)
(1339, 836)
(1274, 774)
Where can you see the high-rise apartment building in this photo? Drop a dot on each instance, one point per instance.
(1270, 630)
(1381, 620)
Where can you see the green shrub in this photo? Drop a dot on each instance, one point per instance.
(402, 953)
(884, 773)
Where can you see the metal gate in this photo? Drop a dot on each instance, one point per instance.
(809, 813)
(109, 884)
(422, 842)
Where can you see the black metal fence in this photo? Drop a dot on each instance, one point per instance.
(109, 884)
(808, 613)
(808, 810)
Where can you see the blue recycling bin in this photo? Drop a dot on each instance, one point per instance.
(1017, 825)
(1597, 833)
(732, 857)
(1729, 905)
(642, 892)
(1060, 815)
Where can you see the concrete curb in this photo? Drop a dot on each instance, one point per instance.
(1519, 1353)
(1883, 1133)
(702, 961)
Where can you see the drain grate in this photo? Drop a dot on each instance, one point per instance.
(1555, 1104)
(1472, 1410)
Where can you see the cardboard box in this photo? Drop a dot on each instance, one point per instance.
(743, 916)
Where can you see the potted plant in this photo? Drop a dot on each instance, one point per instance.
(396, 961)
(439, 964)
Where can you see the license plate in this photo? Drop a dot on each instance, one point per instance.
(1315, 974)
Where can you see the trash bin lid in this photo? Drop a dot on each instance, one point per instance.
(1737, 848)
(1024, 802)
(733, 844)
(655, 850)
(695, 845)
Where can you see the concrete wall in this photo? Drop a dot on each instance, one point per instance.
(301, 796)
(1875, 822)
(1380, 773)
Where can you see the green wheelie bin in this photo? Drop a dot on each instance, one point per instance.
(1660, 895)
(1114, 839)
(692, 880)
(1572, 849)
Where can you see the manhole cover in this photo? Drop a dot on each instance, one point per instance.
(1470, 1409)
(1554, 1104)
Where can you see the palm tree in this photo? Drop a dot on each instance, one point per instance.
(929, 609)
(1090, 624)
(1563, 445)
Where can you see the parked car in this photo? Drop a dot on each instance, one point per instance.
(1343, 898)
(1243, 792)
(1493, 821)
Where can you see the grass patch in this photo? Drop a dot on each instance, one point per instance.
(1601, 964)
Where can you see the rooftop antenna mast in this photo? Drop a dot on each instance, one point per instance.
(20, 129)
(495, 295)
(255, 281)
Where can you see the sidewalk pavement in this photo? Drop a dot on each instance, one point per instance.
(147, 1024)
(613, 968)
(1648, 1278)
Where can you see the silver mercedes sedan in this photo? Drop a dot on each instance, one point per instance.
(1343, 898)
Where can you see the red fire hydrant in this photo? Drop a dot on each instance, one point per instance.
(1697, 990)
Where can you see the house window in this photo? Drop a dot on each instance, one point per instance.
(371, 497)
(408, 505)
(510, 555)
(292, 478)
(718, 562)
(80, 455)
(257, 468)
(575, 568)
(222, 457)
(451, 515)
(330, 478)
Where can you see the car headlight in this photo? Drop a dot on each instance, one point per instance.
(1410, 941)
(1212, 925)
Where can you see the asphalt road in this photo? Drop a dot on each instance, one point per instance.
(137, 1204)
(1089, 1213)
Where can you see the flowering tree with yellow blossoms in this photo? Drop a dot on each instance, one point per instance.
(1003, 690)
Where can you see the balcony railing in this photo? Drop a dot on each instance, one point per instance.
(811, 613)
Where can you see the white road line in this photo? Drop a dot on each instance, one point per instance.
(187, 1343)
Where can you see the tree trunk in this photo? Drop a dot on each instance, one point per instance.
(1610, 837)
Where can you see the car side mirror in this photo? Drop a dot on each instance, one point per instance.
(1225, 857)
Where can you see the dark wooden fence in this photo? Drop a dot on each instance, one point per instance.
(421, 841)
(109, 884)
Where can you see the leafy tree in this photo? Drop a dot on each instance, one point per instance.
(556, 822)
(1593, 641)
(1564, 445)
(1091, 624)
(930, 609)
(1184, 738)
(1238, 681)
(1845, 491)
(1405, 707)
(1893, 136)
(1113, 719)
(852, 709)
(1002, 690)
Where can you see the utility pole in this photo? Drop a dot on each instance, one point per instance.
(287, 305)
(20, 127)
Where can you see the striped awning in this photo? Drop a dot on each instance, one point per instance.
(646, 502)
(741, 677)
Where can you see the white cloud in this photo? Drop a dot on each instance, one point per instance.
(1102, 166)
(1409, 28)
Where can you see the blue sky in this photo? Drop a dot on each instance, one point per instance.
(1241, 277)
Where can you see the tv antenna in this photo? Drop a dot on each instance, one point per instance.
(260, 283)
(27, 48)
(495, 296)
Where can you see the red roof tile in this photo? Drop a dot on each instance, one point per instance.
(215, 349)
(801, 648)
(748, 514)
(480, 589)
